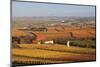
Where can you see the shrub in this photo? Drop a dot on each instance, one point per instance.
(84, 43)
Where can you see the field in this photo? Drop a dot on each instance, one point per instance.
(46, 54)
(29, 37)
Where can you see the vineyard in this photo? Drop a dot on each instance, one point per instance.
(46, 54)
(27, 51)
(53, 34)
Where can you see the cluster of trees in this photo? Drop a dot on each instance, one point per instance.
(23, 39)
(39, 29)
(86, 43)
(89, 43)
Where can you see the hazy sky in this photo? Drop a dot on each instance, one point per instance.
(31, 9)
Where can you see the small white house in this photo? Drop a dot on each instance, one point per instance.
(49, 42)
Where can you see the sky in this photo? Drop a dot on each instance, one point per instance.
(32, 9)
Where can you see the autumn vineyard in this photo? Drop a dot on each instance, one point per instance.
(52, 35)
(49, 44)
